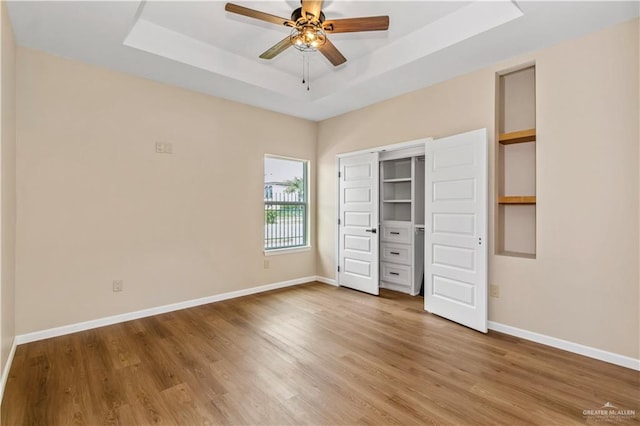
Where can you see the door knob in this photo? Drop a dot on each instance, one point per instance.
(372, 230)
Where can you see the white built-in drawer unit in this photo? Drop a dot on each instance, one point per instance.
(396, 256)
(396, 273)
(396, 253)
(397, 232)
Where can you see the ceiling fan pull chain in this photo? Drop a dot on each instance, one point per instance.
(308, 75)
(303, 59)
(305, 69)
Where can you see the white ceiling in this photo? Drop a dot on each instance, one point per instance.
(199, 46)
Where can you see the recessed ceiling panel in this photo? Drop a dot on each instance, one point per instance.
(247, 37)
(203, 35)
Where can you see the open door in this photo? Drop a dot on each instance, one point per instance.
(358, 223)
(456, 228)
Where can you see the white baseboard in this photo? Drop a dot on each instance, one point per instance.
(326, 280)
(7, 367)
(576, 348)
(101, 322)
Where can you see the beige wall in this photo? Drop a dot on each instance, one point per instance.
(97, 203)
(7, 186)
(584, 285)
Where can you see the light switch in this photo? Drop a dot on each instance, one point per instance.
(164, 148)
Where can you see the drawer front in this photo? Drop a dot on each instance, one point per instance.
(395, 253)
(396, 234)
(394, 273)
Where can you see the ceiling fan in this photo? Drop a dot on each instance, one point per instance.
(309, 29)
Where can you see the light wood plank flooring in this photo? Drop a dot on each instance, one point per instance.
(310, 354)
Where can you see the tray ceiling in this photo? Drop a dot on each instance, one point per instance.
(199, 46)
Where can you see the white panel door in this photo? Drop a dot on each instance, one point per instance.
(358, 245)
(456, 228)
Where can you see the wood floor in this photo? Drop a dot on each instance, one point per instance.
(311, 354)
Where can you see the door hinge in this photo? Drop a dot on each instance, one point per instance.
(339, 222)
(339, 174)
(338, 269)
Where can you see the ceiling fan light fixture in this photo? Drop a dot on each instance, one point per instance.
(307, 38)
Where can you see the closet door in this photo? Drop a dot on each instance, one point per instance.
(456, 228)
(358, 222)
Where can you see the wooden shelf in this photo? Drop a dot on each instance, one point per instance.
(397, 180)
(396, 201)
(517, 254)
(517, 137)
(517, 199)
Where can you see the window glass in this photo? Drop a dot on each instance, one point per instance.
(285, 203)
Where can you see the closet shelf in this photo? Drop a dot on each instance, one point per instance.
(520, 136)
(396, 201)
(517, 199)
(397, 180)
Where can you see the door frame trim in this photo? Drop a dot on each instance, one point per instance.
(391, 147)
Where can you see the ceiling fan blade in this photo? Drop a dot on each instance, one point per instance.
(352, 25)
(256, 14)
(313, 7)
(332, 53)
(277, 49)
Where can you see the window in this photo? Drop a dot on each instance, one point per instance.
(286, 203)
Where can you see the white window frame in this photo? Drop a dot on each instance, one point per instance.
(306, 246)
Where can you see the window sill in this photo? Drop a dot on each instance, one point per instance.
(276, 252)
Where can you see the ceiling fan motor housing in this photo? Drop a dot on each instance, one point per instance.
(297, 14)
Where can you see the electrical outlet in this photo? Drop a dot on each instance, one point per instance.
(266, 264)
(160, 147)
(117, 285)
(494, 291)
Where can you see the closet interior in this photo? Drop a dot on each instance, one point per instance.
(402, 220)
